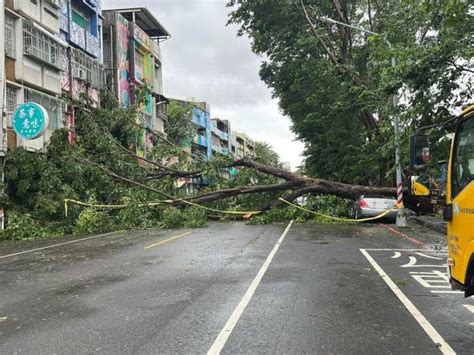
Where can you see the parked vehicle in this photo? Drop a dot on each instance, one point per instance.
(372, 206)
(459, 209)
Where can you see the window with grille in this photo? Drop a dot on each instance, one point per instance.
(40, 45)
(52, 105)
(87, 69)
(11, 102)
(10, 35)
(81, 18)
(139, 62)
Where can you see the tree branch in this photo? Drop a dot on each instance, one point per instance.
(331, 55)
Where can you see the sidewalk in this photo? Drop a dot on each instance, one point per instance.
(434, 223)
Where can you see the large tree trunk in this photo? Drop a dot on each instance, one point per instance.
(294, 185)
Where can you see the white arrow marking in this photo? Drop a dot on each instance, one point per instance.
(428, 256)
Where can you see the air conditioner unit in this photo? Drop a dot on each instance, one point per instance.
(82, 74)
(79, 73)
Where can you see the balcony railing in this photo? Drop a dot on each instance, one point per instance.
(92, 45)
(200, 121)
(85, 40)
(221, 134)
(200, 140)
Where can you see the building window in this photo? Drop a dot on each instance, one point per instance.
(40, 45)
(139, 62)
(10, 36)
(157, 70)
(87, 69)
(52, 105)
(81, 18)
(11, 102)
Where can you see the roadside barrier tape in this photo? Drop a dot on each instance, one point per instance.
(155, 203)
(339, 218)
(241, 213)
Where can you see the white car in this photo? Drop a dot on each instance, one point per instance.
(366, 207)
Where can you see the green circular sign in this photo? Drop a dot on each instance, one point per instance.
(30, 120)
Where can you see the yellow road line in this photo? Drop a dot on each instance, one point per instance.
(167, 240)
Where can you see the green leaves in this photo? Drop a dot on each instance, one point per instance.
(333, 105)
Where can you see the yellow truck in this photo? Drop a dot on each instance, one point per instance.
(459, 209)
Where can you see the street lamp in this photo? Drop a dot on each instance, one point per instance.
(401, 216)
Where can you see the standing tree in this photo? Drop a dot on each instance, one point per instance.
(335, 83)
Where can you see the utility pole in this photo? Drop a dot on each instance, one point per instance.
(401, 215)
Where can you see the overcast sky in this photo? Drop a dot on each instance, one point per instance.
(206, 60)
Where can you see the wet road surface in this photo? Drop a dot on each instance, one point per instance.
(317, 289)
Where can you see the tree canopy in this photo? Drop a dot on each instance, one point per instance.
(336, 83)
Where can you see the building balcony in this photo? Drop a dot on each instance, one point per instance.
(200, 140)
(92, 45)
(225, 151)
(85, 40)
(221, 134)
(156, 50)
(200, 120)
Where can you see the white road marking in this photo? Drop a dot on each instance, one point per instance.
(396, 255)
(55, 245)
(447, 291)
(221, 339)
(2, 319)
(412, 263)
(428, 256)
(469, 307)
(419, 317)
(386, 249)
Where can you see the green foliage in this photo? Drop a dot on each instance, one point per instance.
(171, 217)
(275, 215)
(191, 217)
(134, 216)
(194, 217)
(332, 206)
(179, 128)
(21, 226)
(336, 84)
(92, 221)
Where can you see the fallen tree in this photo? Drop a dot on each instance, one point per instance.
(270, 178)
(104, 167)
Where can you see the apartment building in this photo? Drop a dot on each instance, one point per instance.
(221, 136)
(132, 58)
(242, 146)
(82, 72)
(31, 65)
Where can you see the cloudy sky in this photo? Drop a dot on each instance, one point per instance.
(206, 60)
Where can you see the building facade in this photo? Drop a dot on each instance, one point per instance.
(31, 66)
(82, 72)
(221, 136)
(242, 146)
(132, 58)
(201, 118)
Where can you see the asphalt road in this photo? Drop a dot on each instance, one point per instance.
(234, 288)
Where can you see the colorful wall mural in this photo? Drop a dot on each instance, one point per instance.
(123, 63)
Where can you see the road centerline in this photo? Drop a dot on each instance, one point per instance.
(221, 339)
(419, 317)
(167, 240)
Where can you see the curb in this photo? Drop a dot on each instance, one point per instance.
(437, 226)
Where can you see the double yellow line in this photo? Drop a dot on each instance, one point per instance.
(167, 240)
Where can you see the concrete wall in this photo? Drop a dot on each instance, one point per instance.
(41, 12)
